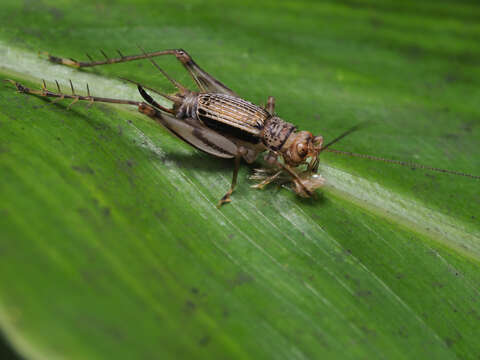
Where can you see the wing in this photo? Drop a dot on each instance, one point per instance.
(232, 116)
(200, 137)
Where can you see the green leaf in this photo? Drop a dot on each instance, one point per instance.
(111, 245)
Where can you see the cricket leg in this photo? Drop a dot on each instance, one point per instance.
(205, 81)
(121, 59)
(267, 181)
(297, 178)
(226, 198)
(270, 105)
(60, 95)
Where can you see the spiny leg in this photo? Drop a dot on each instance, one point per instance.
(226, 198)
(205, 81)
(60, 95)
(91, 63)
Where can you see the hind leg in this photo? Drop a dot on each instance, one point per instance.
(205, 81)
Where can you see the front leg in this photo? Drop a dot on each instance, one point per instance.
(300, 184)
(266, 180)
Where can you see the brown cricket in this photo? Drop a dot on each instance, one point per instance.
(217, 121)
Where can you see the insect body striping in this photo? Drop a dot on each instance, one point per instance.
(230, 114)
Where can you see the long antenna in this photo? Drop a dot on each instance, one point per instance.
(340, 137)
(401, 163)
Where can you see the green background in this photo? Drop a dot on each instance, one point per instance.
(111, 245)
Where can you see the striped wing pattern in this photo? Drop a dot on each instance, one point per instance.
(232, 111)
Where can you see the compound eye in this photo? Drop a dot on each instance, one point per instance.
(302, 150)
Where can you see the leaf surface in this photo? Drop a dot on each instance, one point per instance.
(111, 245)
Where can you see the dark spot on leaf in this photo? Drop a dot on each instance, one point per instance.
(402, 332)
(451, 136)
(449, 342)
(56, 13)
(83, 211)
(474, 314)
(106, 211)
(161, 214)
(85, 169)
(240, 279)
(363, 293)
(451, 78)
(413, 51)
(376, 22)
(469, 125)
(194, 290)
(367, 331)
(130, 163)
(204, 341)
(190, 306)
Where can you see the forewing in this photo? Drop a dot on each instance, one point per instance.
(222, 111)
(199, 136)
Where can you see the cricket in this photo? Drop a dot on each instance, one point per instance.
(217, 121)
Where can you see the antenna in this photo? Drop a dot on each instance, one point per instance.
(390, 161)
(402, 163)
(341, 136)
